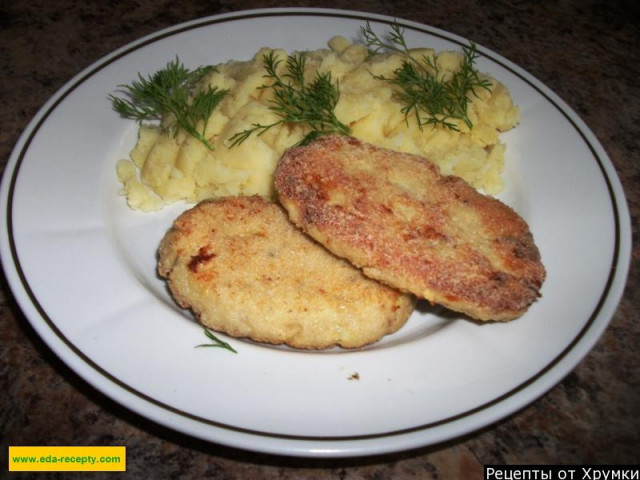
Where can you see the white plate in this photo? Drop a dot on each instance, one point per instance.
(82, 267)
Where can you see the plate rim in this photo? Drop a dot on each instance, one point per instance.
(18, 282)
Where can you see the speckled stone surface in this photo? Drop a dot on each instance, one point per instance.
(588, 52)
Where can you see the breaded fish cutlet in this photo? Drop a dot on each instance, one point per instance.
(397, 218)
(244, 269)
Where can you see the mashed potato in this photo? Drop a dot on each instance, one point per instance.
(163, 168)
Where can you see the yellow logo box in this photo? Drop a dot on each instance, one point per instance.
(67, 459)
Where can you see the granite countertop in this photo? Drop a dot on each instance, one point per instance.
(586, 51)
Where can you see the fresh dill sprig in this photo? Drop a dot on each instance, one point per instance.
(310, 104)
(167, 94)
(216, 342)
(428, 97)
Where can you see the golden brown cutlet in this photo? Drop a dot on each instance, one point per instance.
(244, 269)
(397, 218)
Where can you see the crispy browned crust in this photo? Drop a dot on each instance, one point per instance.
(244, 269)
(396, 217)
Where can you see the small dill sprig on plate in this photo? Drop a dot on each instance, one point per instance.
(215, 342)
